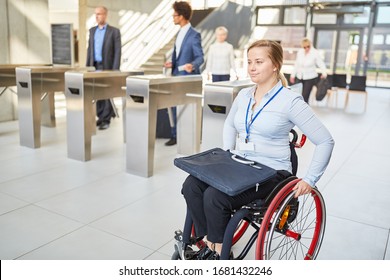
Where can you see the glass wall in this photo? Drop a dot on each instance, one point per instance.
(379, 57)
(289, 36)
(353, 36)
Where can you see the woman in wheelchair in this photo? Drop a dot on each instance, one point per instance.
(257, 128)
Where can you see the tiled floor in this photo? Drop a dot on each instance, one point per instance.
(52, 207)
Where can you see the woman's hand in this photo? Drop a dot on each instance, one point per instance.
(302, 188)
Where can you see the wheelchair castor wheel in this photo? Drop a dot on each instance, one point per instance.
(178, 235)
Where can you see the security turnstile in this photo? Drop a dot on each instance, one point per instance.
(36, 84)
(8, 75)
(147, 94)
(218, 99)
(7, 80)
(81, 89)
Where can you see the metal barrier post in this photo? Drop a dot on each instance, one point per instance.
(81, 89)
(36, 84)
(218, 99)
(147, 94)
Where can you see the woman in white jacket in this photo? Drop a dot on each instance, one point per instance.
(304, 71)
(220, 58)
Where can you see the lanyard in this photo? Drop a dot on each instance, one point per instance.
(248, 125)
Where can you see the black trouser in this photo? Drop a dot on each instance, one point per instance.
(307, 87)
(220, 78)
(104, 109)
(211, 209)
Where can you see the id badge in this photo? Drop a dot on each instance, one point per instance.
(242, 146)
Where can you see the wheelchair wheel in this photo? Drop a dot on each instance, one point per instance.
(292, 228)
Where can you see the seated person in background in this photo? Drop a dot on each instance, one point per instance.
(257, 128)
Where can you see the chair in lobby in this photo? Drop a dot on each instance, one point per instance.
(339, 83)
(357, 85)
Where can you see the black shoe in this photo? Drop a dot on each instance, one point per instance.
(104, 125)
(98, 122)
(171, 142)
(207, 254)
(203, 254)
(217, 256)
(213, 256)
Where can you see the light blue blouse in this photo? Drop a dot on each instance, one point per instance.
(270, 130)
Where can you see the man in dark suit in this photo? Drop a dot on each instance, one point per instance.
(187, 56)
(104, 53)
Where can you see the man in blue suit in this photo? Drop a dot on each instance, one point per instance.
(104, 53)
(187, 56)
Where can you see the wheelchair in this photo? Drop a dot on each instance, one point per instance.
(285, 228)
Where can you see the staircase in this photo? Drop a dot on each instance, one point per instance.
(153, 36)
(145, 35)
(155, 64)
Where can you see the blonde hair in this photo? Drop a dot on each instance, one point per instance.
(305, 41)
(221, 28)
(275, 53)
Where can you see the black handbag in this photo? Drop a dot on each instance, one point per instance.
(322, 89)
(225, 171)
